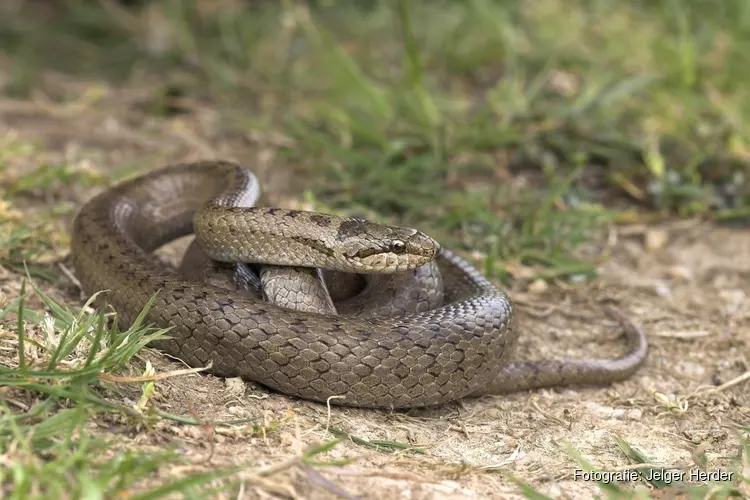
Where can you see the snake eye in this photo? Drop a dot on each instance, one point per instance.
(398, 246)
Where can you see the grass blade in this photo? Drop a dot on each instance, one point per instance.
(20, 330)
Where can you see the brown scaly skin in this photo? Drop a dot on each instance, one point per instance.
(427, 358)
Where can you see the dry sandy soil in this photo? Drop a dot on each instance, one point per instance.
(683, 283)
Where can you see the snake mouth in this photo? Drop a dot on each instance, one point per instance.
(368, 252)
(384, 259)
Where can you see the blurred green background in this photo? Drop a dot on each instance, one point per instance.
(509, 128)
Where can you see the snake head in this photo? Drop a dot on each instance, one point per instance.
(378, 248)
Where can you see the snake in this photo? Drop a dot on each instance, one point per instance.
(397, 354)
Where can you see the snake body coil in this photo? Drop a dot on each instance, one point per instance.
(406, 360)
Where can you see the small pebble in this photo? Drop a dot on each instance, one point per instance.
(618, 414)
(538, 286)
(680, 273)
(635, 414)
(662, 290)
(235, 386)
(655, 239)
(235, 410)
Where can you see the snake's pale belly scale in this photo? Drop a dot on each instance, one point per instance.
(409, 360)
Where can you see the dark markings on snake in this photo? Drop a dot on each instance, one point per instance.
(314, 244)
(292, 213)
(231, 210)
(321, 220)
(336, 327)
(271, 211)
(257, 312)
(351, 227)
(298, 327)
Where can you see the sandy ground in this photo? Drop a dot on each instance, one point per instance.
(684, 283)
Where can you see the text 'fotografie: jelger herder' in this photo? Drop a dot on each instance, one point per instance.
(666, 476)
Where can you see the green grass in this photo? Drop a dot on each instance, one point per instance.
(47, 449)
(516, 129)
(37, 239)
(426, 115)
(53, 388)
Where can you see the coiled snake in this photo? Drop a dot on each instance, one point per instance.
(389, 350)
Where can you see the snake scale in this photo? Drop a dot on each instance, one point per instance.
(411, 358)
